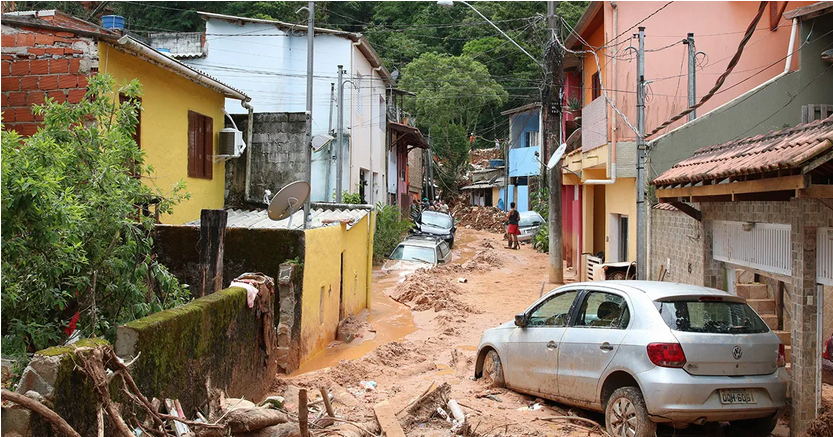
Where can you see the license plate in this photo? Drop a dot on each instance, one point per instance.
(737, 397)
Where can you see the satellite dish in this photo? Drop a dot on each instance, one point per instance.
(559, 152)
(320, 141)
(289, 199)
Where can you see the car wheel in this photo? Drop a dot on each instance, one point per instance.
(627, 416)
(451, 244)
(492, 373)
(754, 427)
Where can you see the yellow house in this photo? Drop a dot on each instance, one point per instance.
(183, 113)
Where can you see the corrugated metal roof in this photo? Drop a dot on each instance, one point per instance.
(777, 150)
(319, 217)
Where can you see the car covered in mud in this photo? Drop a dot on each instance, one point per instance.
(417, 251)
(529, 224)
(437, 224)
(643, 353)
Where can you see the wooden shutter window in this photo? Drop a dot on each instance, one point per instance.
(200, 146)
(597, 86)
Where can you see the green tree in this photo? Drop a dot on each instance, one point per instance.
(451, 93)
(74, 239)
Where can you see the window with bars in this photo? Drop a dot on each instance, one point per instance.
(200, 146)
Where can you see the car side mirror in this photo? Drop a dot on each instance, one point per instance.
(520, 320)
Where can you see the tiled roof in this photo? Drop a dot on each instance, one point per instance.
(777, 150)
(319, 217)
(665, 207)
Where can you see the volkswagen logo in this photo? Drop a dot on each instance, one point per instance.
(737, 352)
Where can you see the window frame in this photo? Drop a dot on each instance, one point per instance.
(200, 146)
(570, 312)
(596, 85)
(359, 94)
(583, 298)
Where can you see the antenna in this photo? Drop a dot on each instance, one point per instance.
(288, 199)
(556, 156)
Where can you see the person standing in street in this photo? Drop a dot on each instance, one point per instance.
(512, 231)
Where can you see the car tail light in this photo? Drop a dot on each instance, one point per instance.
(782, 355)
(666, 354)
(827, 351)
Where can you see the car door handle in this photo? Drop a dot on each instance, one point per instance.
(551, 345)
(606, 346)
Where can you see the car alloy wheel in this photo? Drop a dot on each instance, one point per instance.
(627, 416)
(492, 373)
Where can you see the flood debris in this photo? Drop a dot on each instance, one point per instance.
(822, 426)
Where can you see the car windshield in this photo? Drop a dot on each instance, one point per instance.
(439, 220)
(415, 253)
(531, 218)
(710, 316)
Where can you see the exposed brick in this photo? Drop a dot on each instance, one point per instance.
(29, 82)
(67, 81)
(27, 129)
(58, 66)
(36, 98)
(10, 83)
(76, 95)
(65, 34)
(16, 99)
(7, 57)
(74, 65)
(59, 95)
(7, 68)
(23, 114)
(37, 51)
(25, 39)
(48, 82)
(8, 40)
(20, 68)
(83, 81)
(8, 116)
(40, 66)
(4, 100)
(44, 39)
(55, 51)
(73, 52)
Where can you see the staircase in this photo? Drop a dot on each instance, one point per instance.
(757, 296)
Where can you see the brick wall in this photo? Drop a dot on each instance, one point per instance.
(39, 63)
(678, 238)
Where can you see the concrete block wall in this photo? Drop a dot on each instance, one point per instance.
(277, 155)
(678, 238)
(39, 63)
(804, 216)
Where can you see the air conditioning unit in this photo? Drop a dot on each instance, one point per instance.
(231, 142)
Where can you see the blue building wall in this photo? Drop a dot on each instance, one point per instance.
(524, 159)
(521, 123)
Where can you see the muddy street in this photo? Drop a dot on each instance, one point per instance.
(423, 331)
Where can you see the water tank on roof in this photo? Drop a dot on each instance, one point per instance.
(115, 22)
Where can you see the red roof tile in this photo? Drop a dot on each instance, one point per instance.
(784, 149)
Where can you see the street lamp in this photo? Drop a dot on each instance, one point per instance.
(450, 3)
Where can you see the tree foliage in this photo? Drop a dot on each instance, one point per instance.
(390, 228)
(74, 240)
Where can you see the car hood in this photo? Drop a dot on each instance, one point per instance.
(404, 266)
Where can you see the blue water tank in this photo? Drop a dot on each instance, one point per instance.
(495, 163)
(112, 22)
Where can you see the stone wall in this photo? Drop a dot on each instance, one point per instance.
(216, 341)
(677, 238)
(277, 156)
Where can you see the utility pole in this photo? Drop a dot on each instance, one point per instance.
(640, 157)
(340, 134)
(551, 105)
(310, 43)
(692, 84)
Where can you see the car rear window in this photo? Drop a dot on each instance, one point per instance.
(710, 316)
(530, 220)
(414, 253)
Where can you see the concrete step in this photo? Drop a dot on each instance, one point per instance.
(744, 276)
(762, 306)
(784, 336)
(752, 291)
(771, 320)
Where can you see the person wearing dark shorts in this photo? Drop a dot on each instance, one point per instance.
(512, 231)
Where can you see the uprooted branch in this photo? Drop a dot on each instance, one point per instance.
(59, 423)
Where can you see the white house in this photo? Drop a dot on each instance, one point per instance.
(267, 60)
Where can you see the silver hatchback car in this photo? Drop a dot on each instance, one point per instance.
(643, 353)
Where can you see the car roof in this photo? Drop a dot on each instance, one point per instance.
(436, 213)
(530, 213)
(655, 290)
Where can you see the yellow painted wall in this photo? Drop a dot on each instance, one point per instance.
(321, 293)
(166, 99)
(495, 196)
(620, 198)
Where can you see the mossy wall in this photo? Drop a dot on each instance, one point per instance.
(74, 398)
(245, 250)
(215, 338)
